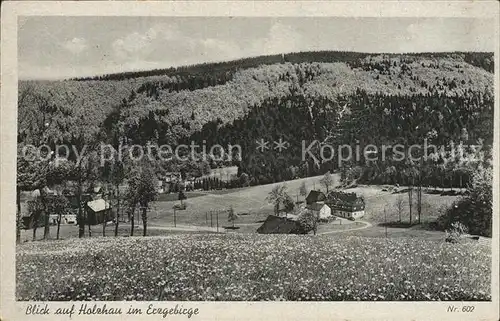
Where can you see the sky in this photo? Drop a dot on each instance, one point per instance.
(65, 47)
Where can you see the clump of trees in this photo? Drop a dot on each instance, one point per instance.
(474, 211)
(327, 181)
(142, 192)
(303, 190)
(280, 198)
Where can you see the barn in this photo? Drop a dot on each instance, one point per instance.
(279, 225)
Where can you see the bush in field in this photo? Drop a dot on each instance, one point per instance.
(454, 234)
(303, 189)
(288, 204)
(181, 207)
(308, 222)
(244, 180)
(232, 216)
(182, 196)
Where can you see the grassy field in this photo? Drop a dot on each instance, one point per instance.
(251, 205)
(249, 200)
(71, 231)
(174, 197)
(252, 202)
(413, 232)
(251, 267)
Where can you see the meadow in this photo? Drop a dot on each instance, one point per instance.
(252, 267)
(251, 201)
(251, 205)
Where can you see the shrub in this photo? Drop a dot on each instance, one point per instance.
(307, 222)
(182, 206)
(454, 234)
(244, 180)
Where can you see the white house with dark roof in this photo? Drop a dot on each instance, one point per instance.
(320, 210)
(347, 205)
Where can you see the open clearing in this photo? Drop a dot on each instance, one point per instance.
(252, 267)
(251, 204)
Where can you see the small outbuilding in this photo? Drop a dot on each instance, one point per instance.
(99, 211)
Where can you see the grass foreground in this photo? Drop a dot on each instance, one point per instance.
(252, 267)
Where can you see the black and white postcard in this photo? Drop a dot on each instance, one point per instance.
(232, 160)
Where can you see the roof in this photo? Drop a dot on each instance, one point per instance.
(315, 206)
(94, 189)
(315, 196)
(98, 205)
(278, 225)
(347, 198)
(344, 197)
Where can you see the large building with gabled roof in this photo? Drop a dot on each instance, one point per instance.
(347, 205)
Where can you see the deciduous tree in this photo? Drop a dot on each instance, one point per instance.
(327, 181)
(142, 189)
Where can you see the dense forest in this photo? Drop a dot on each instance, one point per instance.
(333, 97)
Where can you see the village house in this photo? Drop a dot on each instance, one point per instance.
(320, 210)
(347, 205)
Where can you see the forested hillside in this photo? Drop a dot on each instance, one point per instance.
(334, 97)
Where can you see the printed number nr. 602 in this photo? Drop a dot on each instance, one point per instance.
(468, 308)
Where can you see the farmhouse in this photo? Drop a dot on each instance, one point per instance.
(320, 210)
(98, 211)
(347, 205)
(315, 197)
(279, 225)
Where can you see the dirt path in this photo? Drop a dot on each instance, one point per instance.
(191, 228)
(365, 226)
